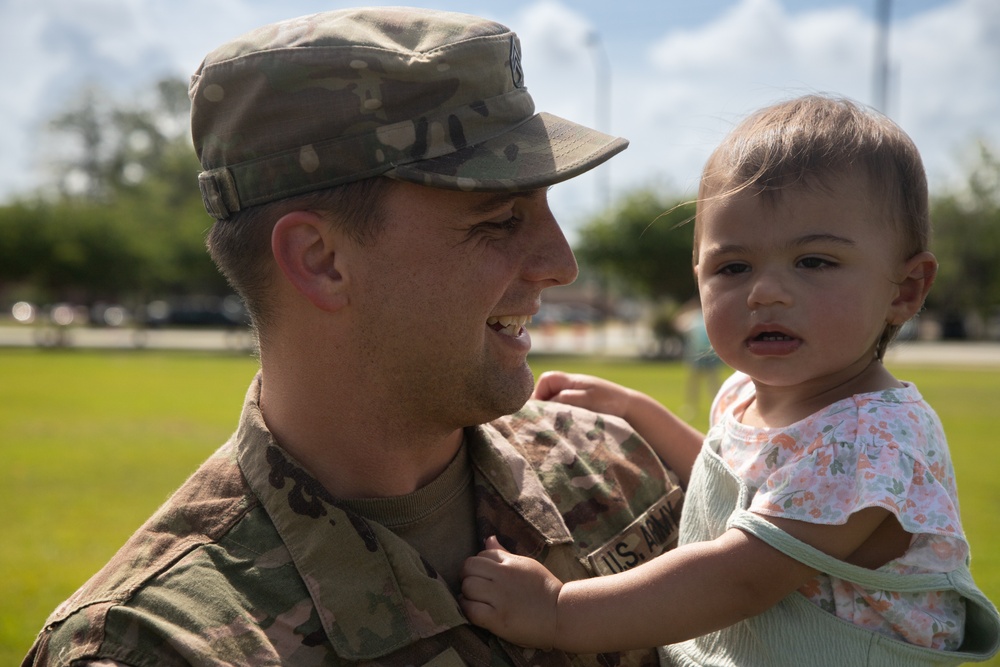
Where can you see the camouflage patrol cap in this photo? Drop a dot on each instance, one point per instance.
(430, 97)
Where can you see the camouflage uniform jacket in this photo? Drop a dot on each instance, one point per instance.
(252, 562)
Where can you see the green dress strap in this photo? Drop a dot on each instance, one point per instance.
(796, 631)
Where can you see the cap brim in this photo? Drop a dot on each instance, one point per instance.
(542, 151)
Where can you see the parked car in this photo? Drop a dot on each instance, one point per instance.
(197, 311)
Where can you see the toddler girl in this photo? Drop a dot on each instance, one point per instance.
(821, 523)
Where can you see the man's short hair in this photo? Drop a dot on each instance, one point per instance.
(241, 244)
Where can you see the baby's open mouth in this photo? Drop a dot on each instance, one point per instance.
(508, 325)
(772, 336)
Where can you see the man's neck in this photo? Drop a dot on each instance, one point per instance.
(354, 446)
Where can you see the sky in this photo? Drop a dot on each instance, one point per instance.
(672, 76)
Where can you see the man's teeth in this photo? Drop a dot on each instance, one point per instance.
(509, 325)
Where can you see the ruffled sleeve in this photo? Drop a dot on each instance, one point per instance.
(875, 450)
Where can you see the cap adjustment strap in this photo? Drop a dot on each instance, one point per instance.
(218, 192)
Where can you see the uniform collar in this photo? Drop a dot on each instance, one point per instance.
(373, 593)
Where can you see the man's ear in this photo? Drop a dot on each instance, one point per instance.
(917, 277)
(306, 250)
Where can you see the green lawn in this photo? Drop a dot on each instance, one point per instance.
(93, 442)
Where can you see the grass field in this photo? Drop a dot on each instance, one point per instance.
(92, 443)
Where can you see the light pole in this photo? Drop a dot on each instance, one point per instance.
(880, 92)
(602, 105)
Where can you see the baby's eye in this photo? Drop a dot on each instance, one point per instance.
(815, 263)
(734, 268)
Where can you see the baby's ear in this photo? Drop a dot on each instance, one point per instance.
(915, 282)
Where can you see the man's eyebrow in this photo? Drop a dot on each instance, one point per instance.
(500, 199)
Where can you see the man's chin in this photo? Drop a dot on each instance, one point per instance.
(508, 399)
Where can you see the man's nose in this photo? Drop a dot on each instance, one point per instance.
(549, 259)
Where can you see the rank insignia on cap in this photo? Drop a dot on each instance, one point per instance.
(516, 73)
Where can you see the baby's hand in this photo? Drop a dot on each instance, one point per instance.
(511, 596)
(585, 391)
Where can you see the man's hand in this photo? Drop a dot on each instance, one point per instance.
(511, 596)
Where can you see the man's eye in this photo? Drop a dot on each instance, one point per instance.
(503, 225)
(495, 229)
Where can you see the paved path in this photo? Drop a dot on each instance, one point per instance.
(123, 338)
(611, 340)
(637, 342)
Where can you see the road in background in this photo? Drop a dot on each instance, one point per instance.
(615, 339)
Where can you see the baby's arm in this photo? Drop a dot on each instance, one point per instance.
(687, 592)
(684, 593)
(674, 440)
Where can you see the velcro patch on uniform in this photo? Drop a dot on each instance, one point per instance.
(653, 533)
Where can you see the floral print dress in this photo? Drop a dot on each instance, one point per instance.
(882, 449)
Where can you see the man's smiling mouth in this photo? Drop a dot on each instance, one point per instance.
(508, 325)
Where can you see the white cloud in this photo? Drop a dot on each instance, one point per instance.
(699, 82)
(559, 55)
(674, 97)
(696, 83)
(26, 72)
(53, 48)
(948, 90)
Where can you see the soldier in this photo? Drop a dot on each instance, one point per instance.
(378, 179)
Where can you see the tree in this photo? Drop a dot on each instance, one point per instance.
(645, 242)
(133, 227)
(967, 244)
(81, 168)
(104, 146)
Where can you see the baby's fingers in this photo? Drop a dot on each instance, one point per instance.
(479, 589)
(481, 566)
(549, 384)
(479, 593)
(479, 613)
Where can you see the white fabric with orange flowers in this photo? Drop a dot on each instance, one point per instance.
(884, 449)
